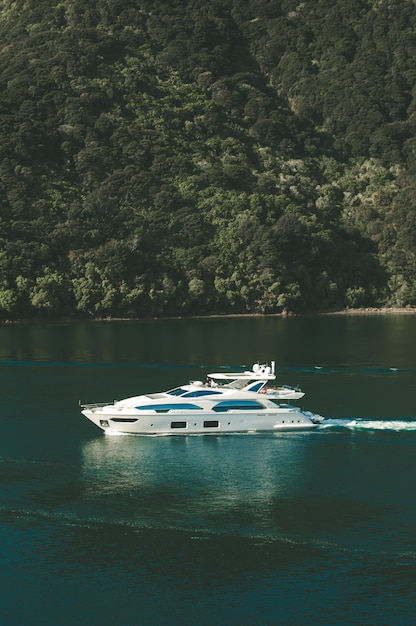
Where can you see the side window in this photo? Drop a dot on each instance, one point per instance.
(211, 424)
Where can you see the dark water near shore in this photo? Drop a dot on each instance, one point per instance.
(291, 528)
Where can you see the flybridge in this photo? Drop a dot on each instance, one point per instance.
(258, 372)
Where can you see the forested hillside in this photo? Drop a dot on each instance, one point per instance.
(174, 157)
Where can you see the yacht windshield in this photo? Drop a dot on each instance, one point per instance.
(178, 391)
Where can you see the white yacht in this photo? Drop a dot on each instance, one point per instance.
(226, 402)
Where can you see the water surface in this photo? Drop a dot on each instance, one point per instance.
(285, 528)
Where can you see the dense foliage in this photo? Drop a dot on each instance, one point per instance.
(193, 156)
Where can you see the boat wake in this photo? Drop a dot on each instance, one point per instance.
(397, 425)
(369, 371)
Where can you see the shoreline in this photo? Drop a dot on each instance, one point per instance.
(370, 311)
(373, 311)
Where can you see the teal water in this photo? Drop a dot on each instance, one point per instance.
(291, 528)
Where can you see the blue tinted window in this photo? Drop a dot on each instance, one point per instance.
(256, 386)
(201, 392)
(244, 405)
(164, 408)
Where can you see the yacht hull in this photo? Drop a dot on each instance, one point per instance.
(202, 422)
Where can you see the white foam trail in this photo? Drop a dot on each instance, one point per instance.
(371, 424)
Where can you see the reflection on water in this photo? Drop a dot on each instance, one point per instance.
(211, 483)
(333, 485)
(385, 341)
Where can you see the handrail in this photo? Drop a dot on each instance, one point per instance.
(95, 405)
